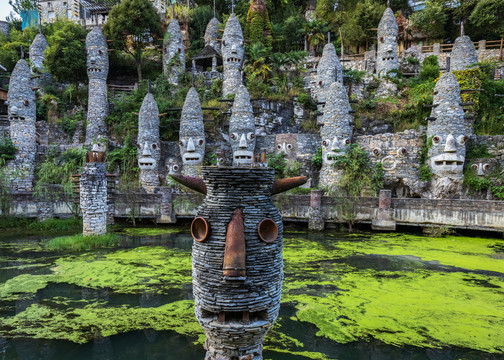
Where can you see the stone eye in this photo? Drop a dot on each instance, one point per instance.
(26, 103)
(462, 139)
(325, 142)
(250, 136)
(320, 83)
(139, 146)
(402, 151)
(181, 143)
(200, 229)
(347, 141)
(381, 39)
(376, 151)
(201, 142)
(289, 146)
(234, 136)
(175, 167)
(279, 147)
(267, 230)
(474, 167)
(486, 167)
(100, 52)
(224, 42)
(435, 139)
(154, 146)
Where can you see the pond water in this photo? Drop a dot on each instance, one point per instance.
(362, 296)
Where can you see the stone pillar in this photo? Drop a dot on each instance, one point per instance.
(436, 49)
(214, 64)
(166, 213)
(173, 52)
(93, 195)
(316, 220)
(233, 53)
(482, 45)
(384, 215)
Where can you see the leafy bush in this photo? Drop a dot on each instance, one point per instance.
(430, 69)
(278, 163)
(317, 159)
(7, 150)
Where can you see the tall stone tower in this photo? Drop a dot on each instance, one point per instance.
(329, 70)
(386, 58)
(463, 54)
(37, 56)
(233, 52)
(97, 69)
(192, 135)
(336, 133)
(148, 144)
(242, 128)
(449, 133)
(173, 52)
(212, 34)
(22, 113)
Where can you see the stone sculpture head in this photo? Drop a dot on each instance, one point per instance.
(484, 167)
(286, 144)
(97, 56)
(448, 132)
(336, 132)
(149, 147)
(463, 54)
(387, 43)
(192, 130)
(328, 71)
(233, 46)
(21, 97)
(172, 166)
(242, 128)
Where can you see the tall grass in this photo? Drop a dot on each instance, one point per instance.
(80, 243)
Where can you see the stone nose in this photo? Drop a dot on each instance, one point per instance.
(190, 145)
(233, 49)
(450, 145)
(14, 110)
(243, 142)
(146, 150)
(335, 144)
(234, 252)
(480, 170)
(92, 60)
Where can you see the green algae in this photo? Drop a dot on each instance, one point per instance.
(83, 325)
(152, 231)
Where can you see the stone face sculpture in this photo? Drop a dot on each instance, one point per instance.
(463, 54)
(192, 135)
(233, 52)
(336, 132)
(286, 144)
(173, 52)
(237, 258)
(328, 71)
(212, 34)
(448, 133)
(22, 114)
(386, 58)
(149, 146)
(97, 69)
(242, 128)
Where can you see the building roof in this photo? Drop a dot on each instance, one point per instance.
(208, 52)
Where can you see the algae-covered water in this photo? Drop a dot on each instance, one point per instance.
(365, 296)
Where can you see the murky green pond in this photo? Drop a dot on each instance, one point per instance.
(365, 296)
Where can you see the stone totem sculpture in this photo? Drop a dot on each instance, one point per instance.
(212, 34)
(97, 69)
(463, 54)
(93, 193)
(328, 71)
(173, 52)
(22, 113)
(233, 52)
(237, 258)
(37, 56)
(448, 132)
(242, 128)
(386, 58)
(192, 135)
(148, 144)
(336, 133)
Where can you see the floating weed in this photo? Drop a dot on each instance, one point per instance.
(152, 231)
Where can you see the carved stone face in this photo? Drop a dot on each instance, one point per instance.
(483, 167)
(333, 148)
(242, 128)
(192, 149)
(233, 46)
(146, 160)
(448, 154)
(192, 131)
(149, 150)
(286, 144)
(97, 56)
(172, 166)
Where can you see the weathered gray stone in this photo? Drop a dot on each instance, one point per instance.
(386, 58)
(173, 52)
(148, 144)
(37, 48)
(242, 128)
(192, 135)
(212, 34)
(463, 54)
(233, 53)
(329, 70)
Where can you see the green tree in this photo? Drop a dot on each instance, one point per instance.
(489, 14)
(65, 57)
(10, 47)
(258, 28)
(132, 26)
(18, 5)
(431, 20)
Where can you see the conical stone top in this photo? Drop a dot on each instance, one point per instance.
(242, 128)
(447, 90)
(463, 54)
(20, 82)
(337, 111)
(191, 121)
(241, 104)
(97, 56)
(212, 34)
(148, 119)
(329, 67)
(174, 28)
(96, 37)
(192, 134)
(233, 28)
(388, 24)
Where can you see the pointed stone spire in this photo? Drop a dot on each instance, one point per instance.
(329, 70)
(148, 144)
(173, 52)
(233, 52)
(463, 54)
(97, 55)
(192, 135)
(388, 29)
(242, 128)
(37, 48)
(212, 34)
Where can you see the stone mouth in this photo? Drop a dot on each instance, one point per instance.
(388, 58)
(146, 163)
(234, 59)
(92, 70)
(192, 158)
(16, 118)
(448, 162)
(243, 156)
(331, 156)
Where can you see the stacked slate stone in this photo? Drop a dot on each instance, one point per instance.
(212, 34)
(148, 144)
(37, 56)
(242, 129)
(449, 133)
(233, 52)
(237, 312)
(173, 52)
(386, 58)
(97, 69)
(463, 54)
(22, 114)
(93, 195)
(328, 71)
(192, 135)
(336, 133)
